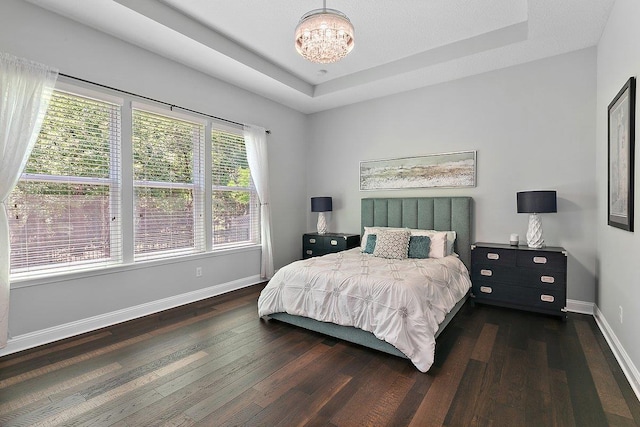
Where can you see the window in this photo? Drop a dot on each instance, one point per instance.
(73, 201)
(236, 216)
(167, 173)
(64, 212)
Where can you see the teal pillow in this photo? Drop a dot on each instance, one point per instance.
(371, 244)
(419, 246)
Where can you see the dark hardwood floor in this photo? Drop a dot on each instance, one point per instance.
(214, 363)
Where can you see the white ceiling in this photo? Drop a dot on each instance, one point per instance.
(399, 45)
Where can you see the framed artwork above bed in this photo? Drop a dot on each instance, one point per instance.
(444, 170)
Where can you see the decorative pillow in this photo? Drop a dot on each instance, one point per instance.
(419, 246)
(375, 230)
(370, 245)
(451, 236)
(438, 245)
(392, 244)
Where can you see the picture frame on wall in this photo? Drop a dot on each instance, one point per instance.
(621, 144)
(443, 170)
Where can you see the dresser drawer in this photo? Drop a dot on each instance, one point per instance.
(549, 261)
(312, 241)
(544, 299)
(335, 244)
(532, 278)
(541, 279)
(493, 256)
(495, 273)
(311, 252)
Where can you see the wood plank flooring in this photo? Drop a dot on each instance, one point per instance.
(214, 363)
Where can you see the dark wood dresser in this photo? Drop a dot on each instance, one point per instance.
(314, 244)
(520, 277)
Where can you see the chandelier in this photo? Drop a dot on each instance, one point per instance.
(324, 35)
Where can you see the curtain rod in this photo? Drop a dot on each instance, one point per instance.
(155, 100)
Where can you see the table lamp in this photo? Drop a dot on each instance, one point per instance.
(534, 203)
(321, 205)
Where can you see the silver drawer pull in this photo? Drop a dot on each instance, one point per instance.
(334, 243)
(488, 273)
(312, 240)
(491, 255)
(309, 252)
(486, 289)
(539, 260)
(547, 298)
(547, 279)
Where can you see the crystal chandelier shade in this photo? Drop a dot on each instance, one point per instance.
(324, 36)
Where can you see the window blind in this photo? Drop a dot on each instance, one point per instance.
(236, 208)
(168, 189)
(64, 214)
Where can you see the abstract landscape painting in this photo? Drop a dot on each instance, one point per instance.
(436, 170)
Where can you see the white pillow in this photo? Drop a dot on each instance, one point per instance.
(451, 237)
(392, 244)
(438, 247)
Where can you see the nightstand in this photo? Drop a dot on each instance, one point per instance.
(314, 244)
(520, 277)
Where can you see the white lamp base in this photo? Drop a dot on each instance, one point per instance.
(534, 233)
(322, 223)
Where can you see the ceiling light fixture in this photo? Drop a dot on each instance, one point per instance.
(324, 35)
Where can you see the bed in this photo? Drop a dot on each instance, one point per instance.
(381, 303)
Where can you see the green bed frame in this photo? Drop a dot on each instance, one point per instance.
(429, 213)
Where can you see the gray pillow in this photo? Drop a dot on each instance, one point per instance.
(392, 244)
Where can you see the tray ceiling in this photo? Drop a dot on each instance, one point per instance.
(399, 45)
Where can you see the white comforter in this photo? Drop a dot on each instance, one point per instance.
(400, 301)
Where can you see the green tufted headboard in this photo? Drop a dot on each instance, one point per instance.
(429, 213)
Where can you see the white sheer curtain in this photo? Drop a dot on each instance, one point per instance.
(255, 139)
(25, 92)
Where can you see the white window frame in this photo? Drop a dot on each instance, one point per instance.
(122, 200)
(114, 183)
(254, 203)
(197, 186)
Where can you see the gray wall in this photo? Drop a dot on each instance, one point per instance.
(532, 126)
(618, 250)
(34, 33)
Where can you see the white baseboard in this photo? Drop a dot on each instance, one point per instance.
(581, 307)
(55, 333)
(625, 362)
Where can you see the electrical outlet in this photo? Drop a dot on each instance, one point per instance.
(620, 314)
(198, 271)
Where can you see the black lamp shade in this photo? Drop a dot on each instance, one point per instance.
(321, 204)
(537, 201)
